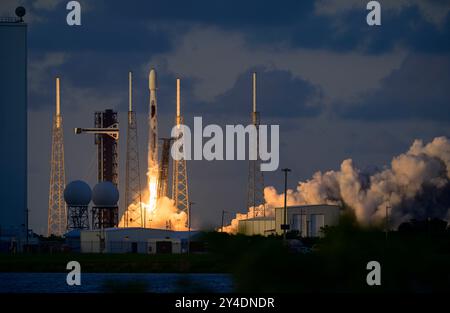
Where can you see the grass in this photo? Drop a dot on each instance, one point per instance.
(113, 263)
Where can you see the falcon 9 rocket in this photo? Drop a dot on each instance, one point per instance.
(152, 143)
(153, 121)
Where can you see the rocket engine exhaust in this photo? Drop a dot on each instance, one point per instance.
(416, 185)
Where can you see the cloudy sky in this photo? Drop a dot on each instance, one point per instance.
(337, 87)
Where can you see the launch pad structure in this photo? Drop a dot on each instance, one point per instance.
(163, 179)
(106, 133)
(107, 150)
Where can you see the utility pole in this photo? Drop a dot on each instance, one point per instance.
(285, 226)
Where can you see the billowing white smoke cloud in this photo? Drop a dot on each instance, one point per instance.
(415, 185)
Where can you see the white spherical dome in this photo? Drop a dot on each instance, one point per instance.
(77, 193)
(105, 194)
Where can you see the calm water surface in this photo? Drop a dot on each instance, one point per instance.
(112, 282)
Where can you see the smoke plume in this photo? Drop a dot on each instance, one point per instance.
(415, 185)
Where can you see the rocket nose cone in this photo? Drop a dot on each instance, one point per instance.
(152, 79)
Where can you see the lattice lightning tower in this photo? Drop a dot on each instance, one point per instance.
(180, 192)
(255, 194)
(133, 199)
(57, 212)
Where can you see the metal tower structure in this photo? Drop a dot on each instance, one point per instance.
(163, 178)
(133, 197)
(105, 217)
(106, 133)
(107, 151)
(57, 213)
(78, 217)
(180, 192)
(255, 189)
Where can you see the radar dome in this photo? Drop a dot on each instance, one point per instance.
(105, 194)
(77, 193)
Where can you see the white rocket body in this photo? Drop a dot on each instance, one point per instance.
(153, 123)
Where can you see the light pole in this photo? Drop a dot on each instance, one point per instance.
(285, 226)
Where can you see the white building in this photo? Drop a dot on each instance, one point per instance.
(134, 240)
(263, 226)
(307, 220)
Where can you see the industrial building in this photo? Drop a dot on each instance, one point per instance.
(135, 240)
(307, 220)
(263, 226)
(13, 129)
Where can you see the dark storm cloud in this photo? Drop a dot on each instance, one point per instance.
(296, 23)
(149, 25)
(100, 31)
(279, 94)
(418, 89)
(406, 28)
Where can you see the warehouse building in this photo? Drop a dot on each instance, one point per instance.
(263, 226)
(135, 240)
(307, 220)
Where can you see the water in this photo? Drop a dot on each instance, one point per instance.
(115, 282)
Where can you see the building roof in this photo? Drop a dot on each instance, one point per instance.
(150, 232)
(309, 206)
(260, 218)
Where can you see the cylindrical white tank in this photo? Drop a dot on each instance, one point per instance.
(105, 194)
(77, 193)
